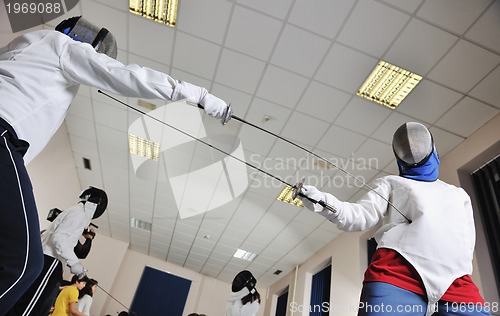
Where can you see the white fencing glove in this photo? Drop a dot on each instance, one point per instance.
(212, 105)
(314, 194)
(79, 270)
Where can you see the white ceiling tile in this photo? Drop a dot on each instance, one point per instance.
(117, 4)
(454, 15)
(322, 101)
(287, 154)
(368, 18)
(281, 86)
(466, 117)
(111, 171)
(385, 132)
(239, 71)
(429, 101)
(299, 51)
(485, 30)
(194, 16)
(100, 14)
(362, 115)
(110, 116)
(374, 154)
(345, 68)
(419, 47)
(257, 40)
(80, 127)
(341, 141)
(323, 17)
(487, 90)
(391, 168)
(464, 66)
(141, 43)
(88, 178)
(407, 5)
(444, 140)
(84, 146)
(195, 55)
(277, 8)
(111, 137)
(240, 101)
(110, 154)
(304, 129)
(277, 115)
(81, 106)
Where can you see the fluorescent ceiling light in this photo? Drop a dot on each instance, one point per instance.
(163, 11)
(245, 255)
(143, 147)
(286, 196)
(388, 84)
(137, 223)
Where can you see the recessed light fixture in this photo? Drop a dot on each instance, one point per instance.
(140, 224)
(146, 104)
(388, 84)
(286, 196)
(245, 255)
(143, 147)
(163, 11)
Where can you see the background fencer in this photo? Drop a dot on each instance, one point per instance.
(244, 299)
(58, 243)
(40, 73)
(423, 260)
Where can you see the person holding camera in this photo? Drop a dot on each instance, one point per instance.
(58, 242)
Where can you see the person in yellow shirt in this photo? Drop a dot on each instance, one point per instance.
(67, 299)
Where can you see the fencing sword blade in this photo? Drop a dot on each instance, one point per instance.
(356, 179)
(228, 115)
(128, 309)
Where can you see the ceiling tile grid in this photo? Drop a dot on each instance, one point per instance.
(292, 68)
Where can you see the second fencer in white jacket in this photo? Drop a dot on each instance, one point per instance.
(426, 227)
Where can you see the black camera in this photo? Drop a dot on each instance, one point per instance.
(53, 214)
(87, 231)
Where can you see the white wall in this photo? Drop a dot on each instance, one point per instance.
(206, 295)
(53, 176)
(347, 254)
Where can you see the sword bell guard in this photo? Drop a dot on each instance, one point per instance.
(297, 188)
(228, 113)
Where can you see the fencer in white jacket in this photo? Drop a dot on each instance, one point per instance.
(40, 74)
(244, 299)
(435, 233)
(58, 242)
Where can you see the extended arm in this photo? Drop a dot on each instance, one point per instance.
(362, 215)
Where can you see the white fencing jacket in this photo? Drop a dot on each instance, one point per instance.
(439, 242)
(41, 71)
(236, 308)
(60, 238)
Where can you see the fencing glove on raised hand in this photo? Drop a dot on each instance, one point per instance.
(212, 105)
(314, 194)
